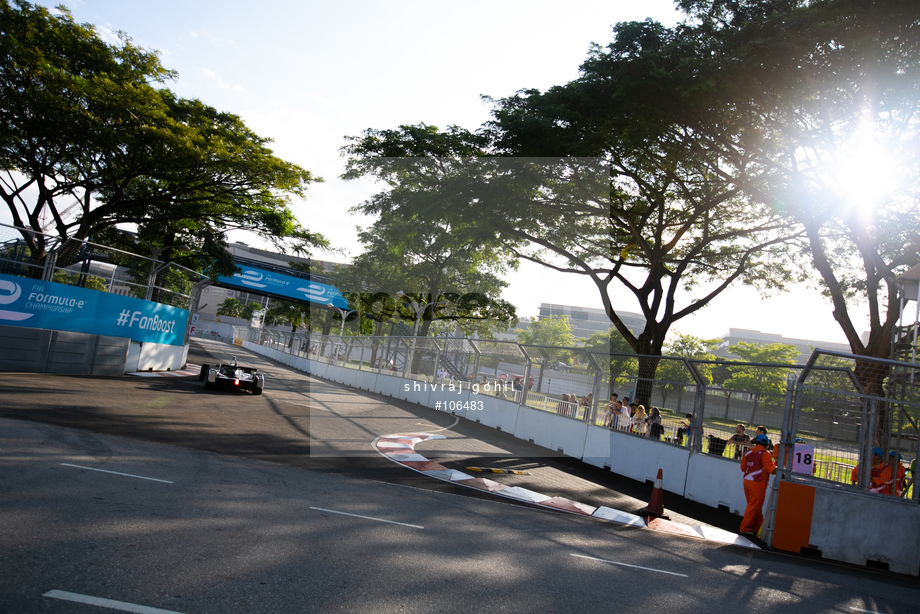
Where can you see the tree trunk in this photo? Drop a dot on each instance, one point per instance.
(648, 365)
(871, 376)
(648, 347)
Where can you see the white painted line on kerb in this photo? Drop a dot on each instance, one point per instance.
(591, 558)
(403, 524)
(855, 609)
(107, 603)
(139, 477)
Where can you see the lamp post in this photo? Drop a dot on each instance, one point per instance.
(344, 313)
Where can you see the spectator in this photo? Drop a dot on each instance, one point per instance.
(740, 440)
(560, 406)
(762, 430)
(625, 418)
(685, 426)
(609, 410)
(654, 423)
(638, 421)
(586, 403)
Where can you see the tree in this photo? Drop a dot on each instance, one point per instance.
(230, 306)
(624, 192)
(830, 89)
(610, 346)
(294, 314)
(553, 331)
(673, 374)
(447, 266)
(89, 140)
(676, 216)
(766, 377)
(91, 282)
(248, 311)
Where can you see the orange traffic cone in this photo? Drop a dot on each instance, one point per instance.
(655, 505)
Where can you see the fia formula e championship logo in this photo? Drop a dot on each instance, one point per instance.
(9, 294)
(250, 278)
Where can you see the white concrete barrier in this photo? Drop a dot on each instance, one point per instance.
(552, 431)
(858, 528)
(161, 357)
(496, 412)
(638, 458)
(846, 526)
(714, 481)
(389, 385)
(365, 380)
(338, 374)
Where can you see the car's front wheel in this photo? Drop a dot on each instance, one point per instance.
(204, 372)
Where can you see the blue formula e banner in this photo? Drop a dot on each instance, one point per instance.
(42, 304)
(284, 286)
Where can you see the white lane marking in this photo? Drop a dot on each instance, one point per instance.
(140, 477)
(322, 509)
(591, 558)
(447, 428)
(855, 609)
(106, 603)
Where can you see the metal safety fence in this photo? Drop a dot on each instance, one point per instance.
(29, 254)
(826, 412)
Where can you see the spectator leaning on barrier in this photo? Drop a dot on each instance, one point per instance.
(624, 417)
(740, 440)
(684, 429)
(774, 450)
(654, 423)
(757, 465)
(638, 421)
(608, 411)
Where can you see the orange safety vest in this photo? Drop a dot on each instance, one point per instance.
(881, 479)
(896, 485)
(757, 464)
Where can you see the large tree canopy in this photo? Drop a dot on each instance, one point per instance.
(448, 264)
(89, 139)
(592, 179)
(831, 91)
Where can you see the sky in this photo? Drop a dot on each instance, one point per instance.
(309, 74)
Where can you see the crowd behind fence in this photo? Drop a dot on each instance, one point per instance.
(28, 254)
(820, 406)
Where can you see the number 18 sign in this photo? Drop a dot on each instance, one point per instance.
(803, 459)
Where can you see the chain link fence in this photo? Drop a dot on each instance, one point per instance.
(823, 412)
(25, 253)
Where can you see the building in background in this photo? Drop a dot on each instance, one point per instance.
(804, 346)
(586, 321)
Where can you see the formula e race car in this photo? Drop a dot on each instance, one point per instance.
(231, 375)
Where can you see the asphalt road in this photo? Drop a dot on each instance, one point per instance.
(152, 492)
(307, 422)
